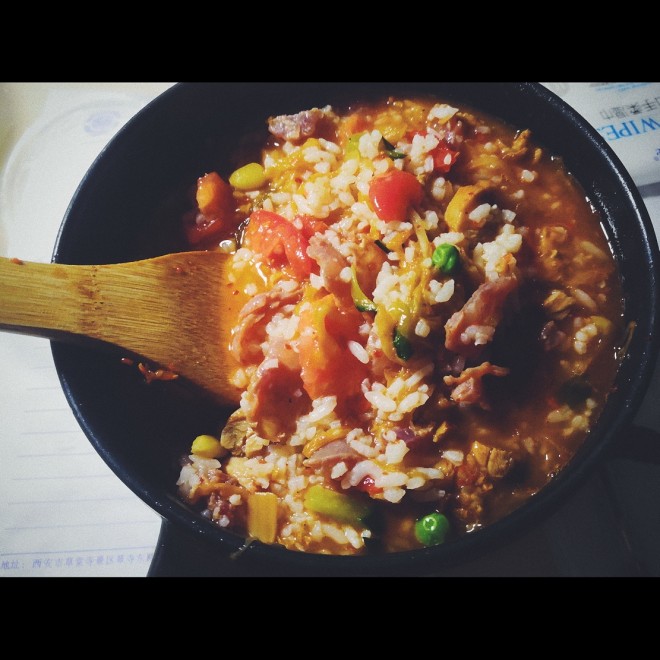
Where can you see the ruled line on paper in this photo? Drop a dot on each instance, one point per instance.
(54, 388)
(56, 454)
(63, 552)
(77, 525)
(51, 432)
(68, 477)
(77, 500)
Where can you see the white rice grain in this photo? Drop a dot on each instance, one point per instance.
(391, 480)
(415, 482)
(338, 470)
(395, 452)
(358, 351)
(453, 456)
(322, 407)
(346, 275)
(442, 112)
(480, 213)
(334, 533)
(422, 328)
(381, 402)
(393, 495)
(353, 537)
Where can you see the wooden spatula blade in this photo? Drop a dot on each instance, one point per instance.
(173, 310)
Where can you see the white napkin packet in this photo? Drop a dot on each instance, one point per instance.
(627, 115)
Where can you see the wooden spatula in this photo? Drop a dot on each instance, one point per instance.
(174, 311)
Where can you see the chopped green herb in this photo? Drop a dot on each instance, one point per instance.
(390, 150)
(402, 345)
(382, 246)
(362, 302)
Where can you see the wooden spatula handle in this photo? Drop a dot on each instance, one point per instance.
(47, 299)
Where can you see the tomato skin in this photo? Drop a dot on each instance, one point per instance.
(439, 154)
(281, 242)
(443, 158)
(368, 485)
(311, 225)
(199, 229)
(393, 193)
(214, 196)
(216, 216)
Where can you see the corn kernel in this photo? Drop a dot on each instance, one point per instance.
(207, 446)
(249, 177)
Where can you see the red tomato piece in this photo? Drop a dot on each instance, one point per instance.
(393, 193)
(199, 229)
(214, 196)
(368, 485)
(281, 242)
(216, 216)
(443, 158)
(311, 225)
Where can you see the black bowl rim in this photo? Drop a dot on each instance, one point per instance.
(536, 508)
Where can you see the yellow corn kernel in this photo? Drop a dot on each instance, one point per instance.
(262, 516)
(249, 177)
(207, 446)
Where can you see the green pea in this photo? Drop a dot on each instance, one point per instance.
(446, 258)
(432, 529)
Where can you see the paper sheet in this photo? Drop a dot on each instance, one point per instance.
(62, 511)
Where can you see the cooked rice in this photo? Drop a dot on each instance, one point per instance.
(331, 182)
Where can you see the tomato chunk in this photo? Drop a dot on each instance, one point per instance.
(443, 158)
(216, 216)
(328, 366)
(393, 193)
(277, 239)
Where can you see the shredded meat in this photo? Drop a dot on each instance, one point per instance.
(477, 475)
(246, 341)
(519, 146)
(333, 452)
(274, 399)
(469, 387)
(551, 336)
(296, 127)
(331, 263)
(469, 329)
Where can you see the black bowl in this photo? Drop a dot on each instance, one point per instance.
(128, 207)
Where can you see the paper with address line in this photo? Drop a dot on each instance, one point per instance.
(62, 511)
